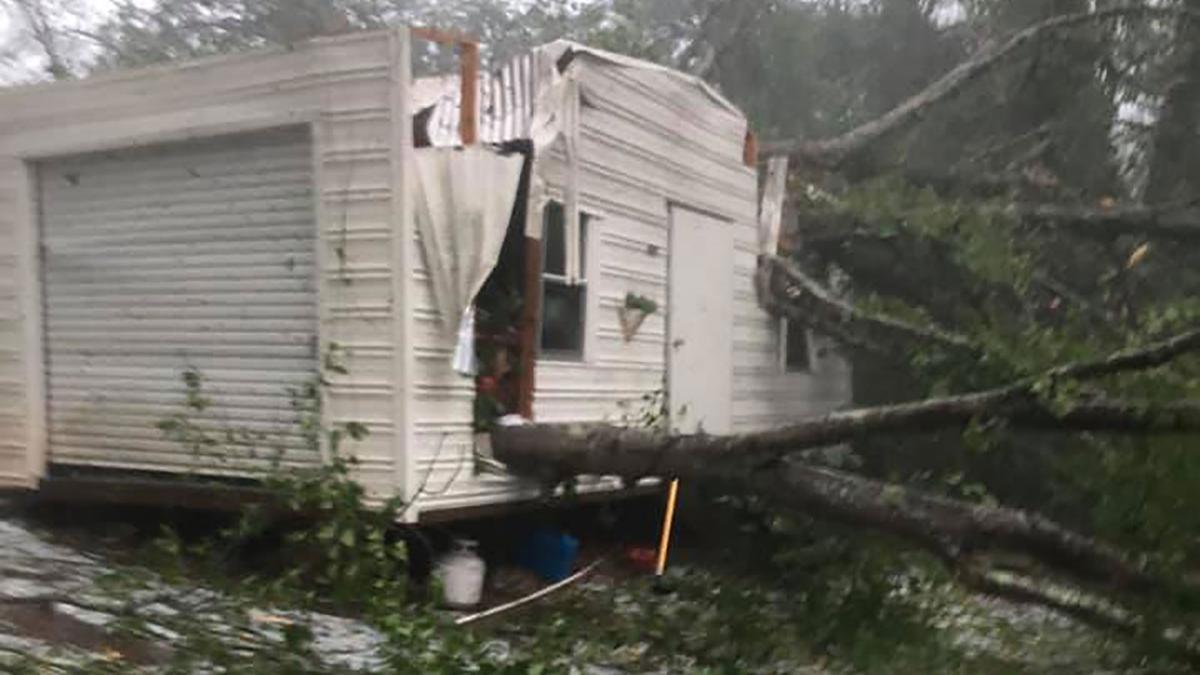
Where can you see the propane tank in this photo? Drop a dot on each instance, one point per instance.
(462, 572)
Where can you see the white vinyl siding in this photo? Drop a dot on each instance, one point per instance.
(350, 94)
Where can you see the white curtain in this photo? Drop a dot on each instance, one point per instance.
(464, 198)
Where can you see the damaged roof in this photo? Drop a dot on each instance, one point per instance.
(511, 95)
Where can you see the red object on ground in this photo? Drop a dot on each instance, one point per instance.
(642, 558)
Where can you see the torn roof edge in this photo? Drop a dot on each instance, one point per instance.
(510, 92)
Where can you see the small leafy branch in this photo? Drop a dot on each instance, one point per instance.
(652, 414)
(347, 545)
(204, 438)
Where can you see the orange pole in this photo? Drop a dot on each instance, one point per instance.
(664, 542)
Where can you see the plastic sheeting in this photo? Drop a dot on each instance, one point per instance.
(464, 200)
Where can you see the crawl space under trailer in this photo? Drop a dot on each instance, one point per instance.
(203, 263)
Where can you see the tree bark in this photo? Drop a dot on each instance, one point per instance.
(566, 450)
(558, 451)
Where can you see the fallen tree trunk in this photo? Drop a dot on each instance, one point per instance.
(958, 533)
(559, 451)
(565, 450)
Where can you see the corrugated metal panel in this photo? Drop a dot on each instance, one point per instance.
(197, 255)
(506, 101)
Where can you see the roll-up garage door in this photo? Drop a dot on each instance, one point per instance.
(195, 257)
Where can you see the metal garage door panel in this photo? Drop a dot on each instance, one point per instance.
(197, 255)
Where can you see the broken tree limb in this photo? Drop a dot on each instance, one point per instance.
(956, 532)
(833, 152)
(1144, 357)
(1178, 222)
(920, 271)
(1165, 222)
(786, 289)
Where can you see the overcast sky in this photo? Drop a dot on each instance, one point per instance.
(20, 60)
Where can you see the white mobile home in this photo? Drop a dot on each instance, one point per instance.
(254, 221)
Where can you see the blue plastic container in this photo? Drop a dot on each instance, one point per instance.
(549, 553)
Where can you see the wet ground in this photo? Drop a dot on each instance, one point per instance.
(61, 608)
(64, 606)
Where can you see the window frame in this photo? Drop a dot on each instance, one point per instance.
(587, 222)
(809, 357)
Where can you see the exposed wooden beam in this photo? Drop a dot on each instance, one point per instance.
(531, 320)
(468, 68)
(468, 125)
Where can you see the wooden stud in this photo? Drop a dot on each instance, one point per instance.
(468, 123)
(468, 67)
(531, 321)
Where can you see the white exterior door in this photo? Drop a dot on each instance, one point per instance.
(700, 323)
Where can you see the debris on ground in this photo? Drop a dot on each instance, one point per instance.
(65, 609)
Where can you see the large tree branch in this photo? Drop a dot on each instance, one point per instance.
(563, 450)
(1145, 357)
(919, 270)
(1168, 222)
(633, 453)
(955, 531)
(833, 152)
(786, 289)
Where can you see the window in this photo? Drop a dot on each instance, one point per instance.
(795, 356)
(564, 303)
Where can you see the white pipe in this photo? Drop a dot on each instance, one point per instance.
(500, 609)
